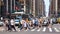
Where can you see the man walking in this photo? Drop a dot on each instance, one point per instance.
(12, 24)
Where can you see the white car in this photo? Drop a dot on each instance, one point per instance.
(1, 23)
(45, 23)
(17, 21)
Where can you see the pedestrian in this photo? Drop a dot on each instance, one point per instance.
(27, 22)
(12, 24)
(50, 23)
(6, 24)
(9, 26)
(21, 24)
(41, 22)
(25, 25)
(36, 22)
(33, 23)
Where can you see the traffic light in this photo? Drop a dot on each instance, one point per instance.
(16, 8)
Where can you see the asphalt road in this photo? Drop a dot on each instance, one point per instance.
(55, 29)
(26, 33)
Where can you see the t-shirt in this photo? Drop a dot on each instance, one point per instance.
(50, 20)
(25, 25)
(12, 22)
(33, 21)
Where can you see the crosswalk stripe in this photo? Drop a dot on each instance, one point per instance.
(39, 29)
(33, 30)
(50, 29)
(44, 29)
(56, 29)
(26, 30)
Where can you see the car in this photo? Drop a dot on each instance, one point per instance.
(45, 22)
(17, 21)
(58, 20)
(1, 23)
(54, 20)
(19, 18)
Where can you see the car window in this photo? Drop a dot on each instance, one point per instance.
(1, 22)
(16, 20)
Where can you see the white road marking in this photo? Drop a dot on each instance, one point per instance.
(56, 29)
(44, 29)
(33, 30)
(39, 29)
(50, 29)
(26, 30)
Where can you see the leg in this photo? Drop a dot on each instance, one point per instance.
(13, 27)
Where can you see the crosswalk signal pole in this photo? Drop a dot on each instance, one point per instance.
(14, 5)
(10, 7)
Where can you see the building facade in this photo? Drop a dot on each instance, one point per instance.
(55, 8)
(34, 7)
(37, 7)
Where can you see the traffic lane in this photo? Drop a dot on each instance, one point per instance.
(55, 25)
(27, 33)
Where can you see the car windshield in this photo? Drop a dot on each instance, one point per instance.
(16, 20)
(1, 22)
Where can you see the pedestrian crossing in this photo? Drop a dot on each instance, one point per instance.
(45, 29)
(50, 29)
(39, 29)
(56, 30)
(33, 29)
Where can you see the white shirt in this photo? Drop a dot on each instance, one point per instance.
(33, 21)
(25, 25)
(50, 20)
(12, 22)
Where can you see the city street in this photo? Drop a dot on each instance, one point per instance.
(29, 17)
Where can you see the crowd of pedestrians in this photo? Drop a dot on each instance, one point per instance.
(24, 24)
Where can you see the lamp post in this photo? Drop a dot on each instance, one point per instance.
(0, 9)
(24, 6)
(14, 5)
(56, 7)
(10, 8)
(7, 5)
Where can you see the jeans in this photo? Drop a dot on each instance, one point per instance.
(21, 26)
(28, 26)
